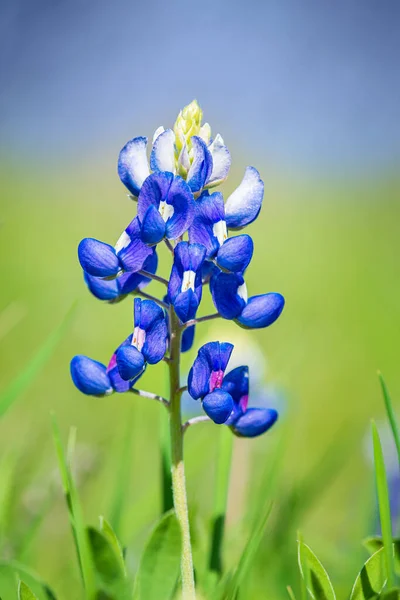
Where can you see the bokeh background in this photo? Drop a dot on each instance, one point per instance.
(309, 93)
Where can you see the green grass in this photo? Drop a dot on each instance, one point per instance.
(332, 249)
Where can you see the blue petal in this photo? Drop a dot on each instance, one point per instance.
(90, 376)
(209, 210)
(224, 290)
(218, 406)
(130, 362)
(261, 311)
(186, 305)
(154, 190)
(146, 313)
(187, 257)
(97, 258)
(131, 251)
(199, 377)
(218, 354)
(236, 253)
(188, 338)
(133, 167)
(163, 154)
(103, 289)
(153, 226)
(155, 344)
(244, 204)
(201, 166)
(255, 421)
(181, 198)
(221, 161)
(236, 382)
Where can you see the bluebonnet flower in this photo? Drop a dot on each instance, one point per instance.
(116, 289)
(206, 378)
(165, 207)
(185, 284)
(229, 293)
(245, 421)
(95, 379)
(102, 260)
(209, 228)
(148, 342)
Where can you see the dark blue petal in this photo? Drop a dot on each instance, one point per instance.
(155, 344)
(236, 383)
(236, 253)
(90, 376)
(199, 377)
(208, 227)
(261, 311)
(186, 305)
(208, 270)
(181, 198)
(153, 226)
(131, 251)
(97, 258)
(133, 167)
(188, 338)
(244, 204)
(154, 190)
(150, 265)
(225, 290)
(130, 362)
(218, 406)
(255, 421)
(163, 153)
(103, 289)
(119, 384)
(147, 313)
(201, 167)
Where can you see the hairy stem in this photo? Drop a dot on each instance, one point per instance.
(153, 276)
(149, 395)
(201, 320)
(177, 467)
(150, 297)
(195, 421)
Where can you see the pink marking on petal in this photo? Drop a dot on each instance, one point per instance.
(216, 380)
(112, 363)
(243, 402)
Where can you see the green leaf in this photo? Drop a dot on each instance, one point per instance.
(32, 369)
(159, 565)
(247, 559)
(371, 579)
(75, 514)
(111, 536)
(222, 479)
(14, 568)
(316, 578)
(372, 544)
(390, 595)
(384, 504)
(390, 414)
(110, 570)
(25, 592)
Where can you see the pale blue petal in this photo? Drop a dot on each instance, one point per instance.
(163, 154)
(244, 204)
(221, 161)
(133, 166)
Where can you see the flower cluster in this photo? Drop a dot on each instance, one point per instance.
(176, 205)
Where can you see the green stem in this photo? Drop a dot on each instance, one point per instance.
(177, 465)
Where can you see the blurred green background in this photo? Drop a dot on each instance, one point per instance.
(309, 94)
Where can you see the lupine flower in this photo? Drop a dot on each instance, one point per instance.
(209, 228)
(188, 333)
(165, 207)
(95, 379)
(245, 421)
(148, 342)
(229, 293)
(185, 283)
(118, 288)
(102, 260)
(206, 378)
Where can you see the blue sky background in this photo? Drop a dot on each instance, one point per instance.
(312, 85)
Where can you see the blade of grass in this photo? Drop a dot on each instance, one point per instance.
(304, 575)
(20, 383)
(224, 462)
(390, 413)
(121, 485)
(75, 513)
(247, 558)
(384, 506)
(290, 592)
